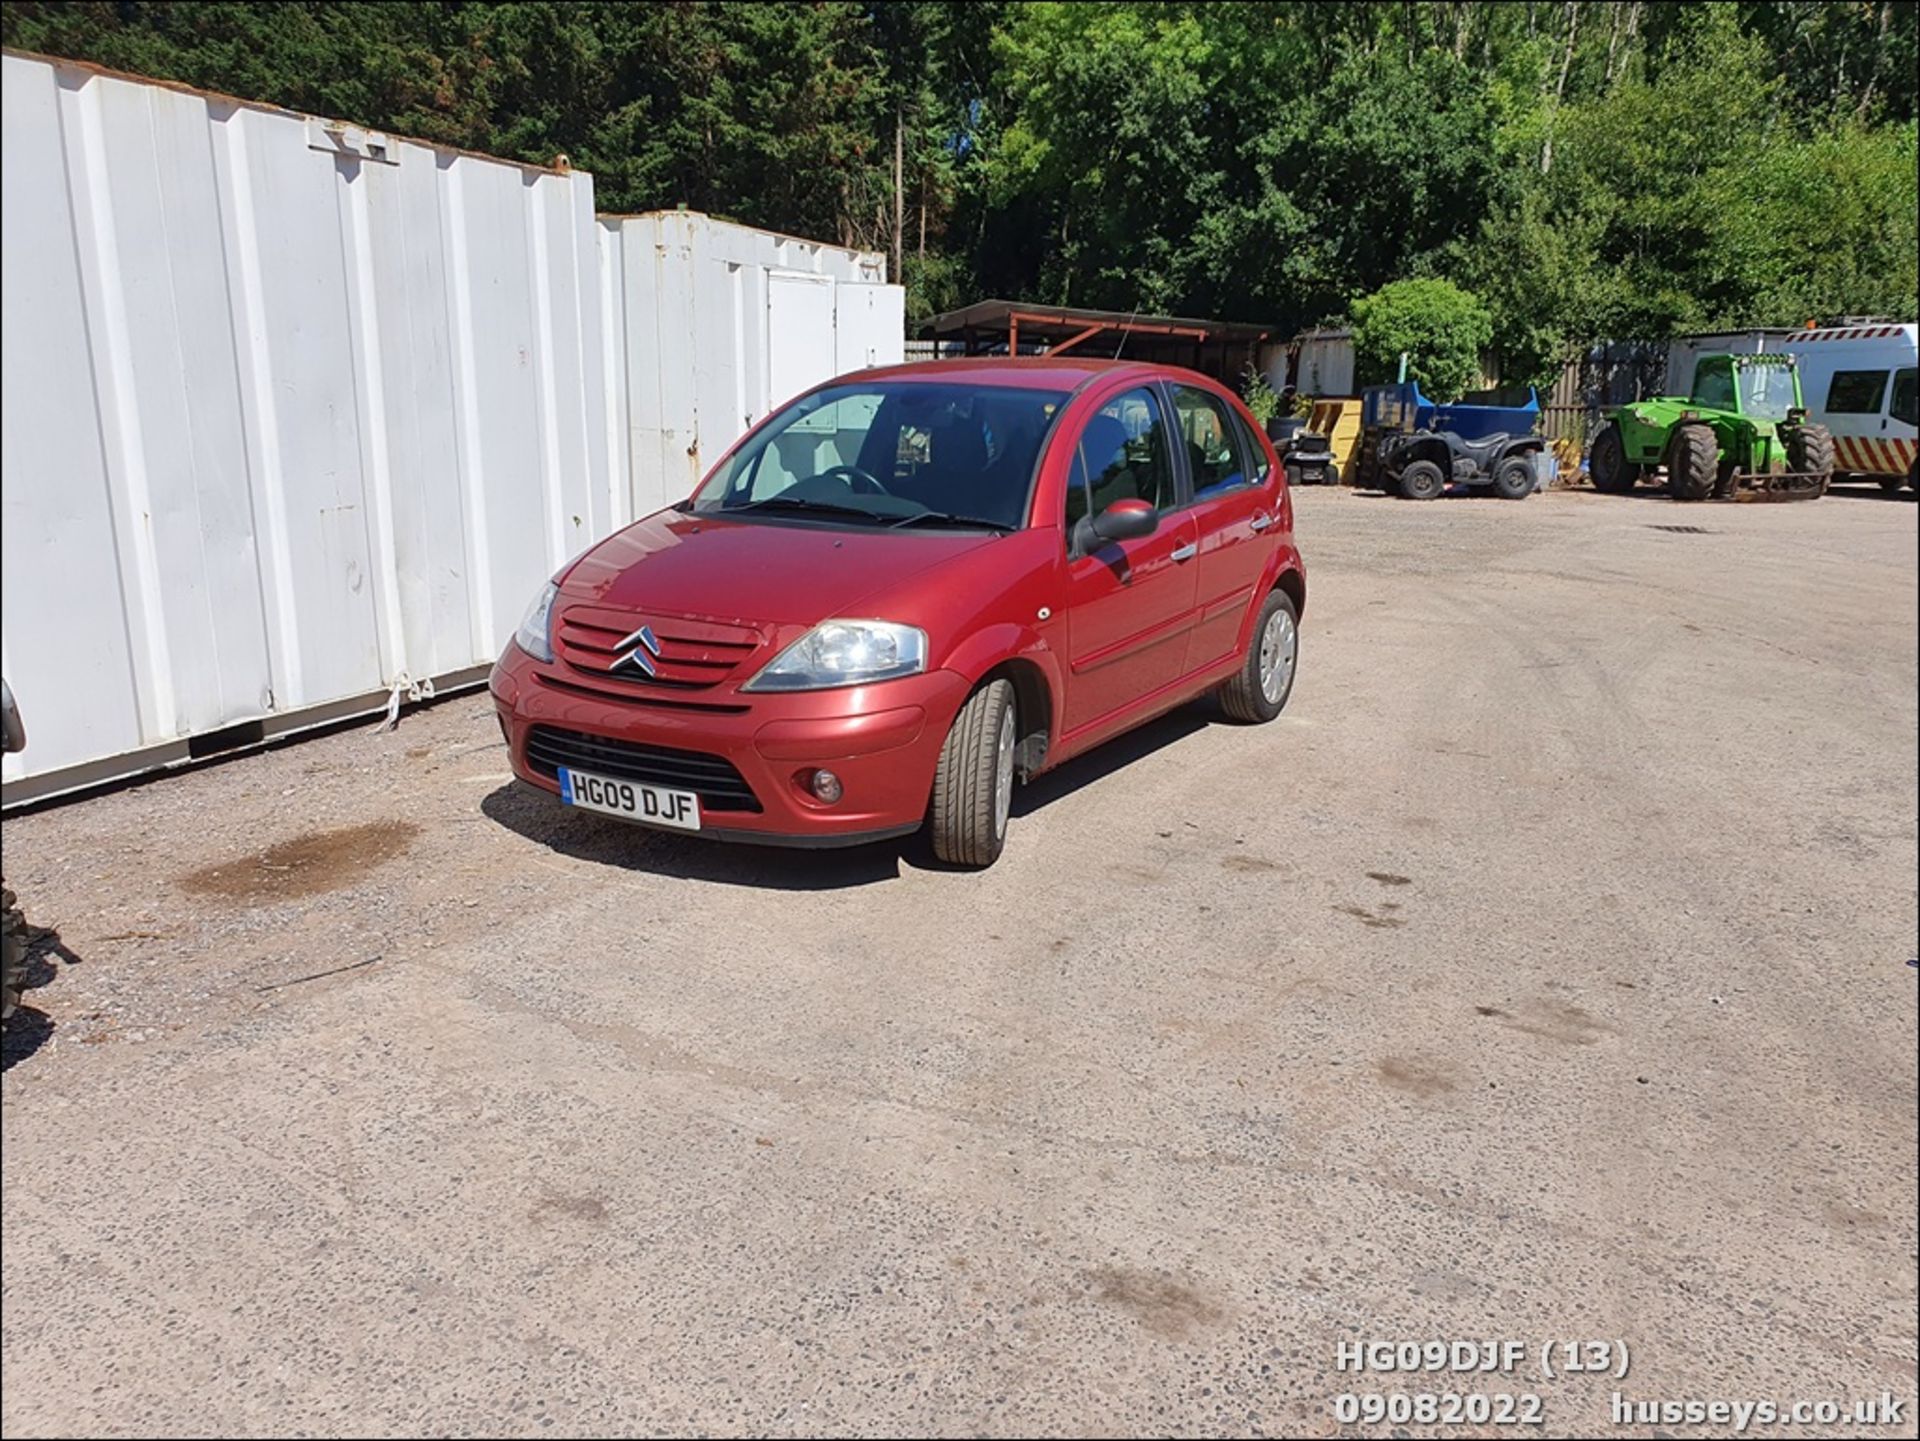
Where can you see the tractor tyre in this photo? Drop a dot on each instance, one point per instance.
(1513, 478)
(1810, 450)
(1422, 480)
(1693, 462)
(1607, 464)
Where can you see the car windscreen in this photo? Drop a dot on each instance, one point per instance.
(1766, 391)
(897, 453)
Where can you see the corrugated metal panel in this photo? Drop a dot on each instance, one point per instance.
(291, 411)
(719, 324)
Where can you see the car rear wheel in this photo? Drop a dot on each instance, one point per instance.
(1422, 480)
(1259, 690)
(973, 784)
(1513, 478)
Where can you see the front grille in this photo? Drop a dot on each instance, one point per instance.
(694, 654)
(719, 786)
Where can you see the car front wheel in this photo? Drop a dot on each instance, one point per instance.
(1259, 689)
(973, 784)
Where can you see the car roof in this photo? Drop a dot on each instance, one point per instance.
(1032, 372)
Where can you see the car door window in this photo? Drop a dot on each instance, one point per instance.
(1902, 407)
(1254, 451)
(1213, 453)
(1122, 454)
(1856, 392)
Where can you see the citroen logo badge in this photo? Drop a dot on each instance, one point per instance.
(639, 651)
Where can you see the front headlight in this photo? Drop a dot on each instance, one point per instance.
(535, 635)
(845, 652)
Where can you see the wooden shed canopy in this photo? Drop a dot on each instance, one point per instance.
(1005, 325)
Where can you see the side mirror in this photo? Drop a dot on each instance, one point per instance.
(1125, 520)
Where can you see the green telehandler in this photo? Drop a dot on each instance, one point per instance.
(1742, 435)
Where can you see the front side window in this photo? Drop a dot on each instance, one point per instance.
(1213, 452)
(1901, 407)
(1856, 392)
(891, 453)
(1122, 454)
(1713, 386)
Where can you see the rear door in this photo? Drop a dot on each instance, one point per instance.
(1854, 409)
(1902, 423)
(1129, 603)
(1233, 499)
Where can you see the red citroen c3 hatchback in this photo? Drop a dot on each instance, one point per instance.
(905, 591)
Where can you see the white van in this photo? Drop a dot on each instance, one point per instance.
(1858, 381)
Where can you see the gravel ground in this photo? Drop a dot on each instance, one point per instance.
(1542, 973)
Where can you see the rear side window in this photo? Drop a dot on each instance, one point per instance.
(1856, 392)
(1255, 452)
(1213, 450)
(1902, 405)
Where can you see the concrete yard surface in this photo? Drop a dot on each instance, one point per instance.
(1541, 975)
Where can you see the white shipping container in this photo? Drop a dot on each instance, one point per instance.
(1684, 353)
(293, 413)
(297, 416)
(720, 323)
(1314, 362)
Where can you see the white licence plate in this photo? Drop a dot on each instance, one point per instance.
(630, 800)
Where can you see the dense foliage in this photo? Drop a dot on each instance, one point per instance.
(1440, 328)
(1586, 169)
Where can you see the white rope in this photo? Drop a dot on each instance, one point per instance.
(414, 690)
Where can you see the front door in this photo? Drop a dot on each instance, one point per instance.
(1232, 508)
(1129, 602)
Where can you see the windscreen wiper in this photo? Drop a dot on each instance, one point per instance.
(947, 517)
(783, 502)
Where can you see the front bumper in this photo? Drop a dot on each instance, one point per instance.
(883, 741)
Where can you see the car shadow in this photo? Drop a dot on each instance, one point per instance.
(539, 817)
(1869, 490)
(1117, 754)
(29, 1028)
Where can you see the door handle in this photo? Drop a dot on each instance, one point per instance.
(1260, 523)
(1187, 551)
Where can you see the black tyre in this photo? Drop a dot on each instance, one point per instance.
(1810, 450)
(1607, 464)
(1893, 484)
(1513, 477)
(1422, 480)
(1259, 689)
(1693, 462)
(973, 784)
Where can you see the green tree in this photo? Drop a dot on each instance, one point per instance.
(1440, 328)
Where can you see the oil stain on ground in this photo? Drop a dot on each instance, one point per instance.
(1372, 921)
(310, 866)
(1163, 1305)
(1419, 1076)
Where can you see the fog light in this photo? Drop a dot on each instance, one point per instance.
(826, 785)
